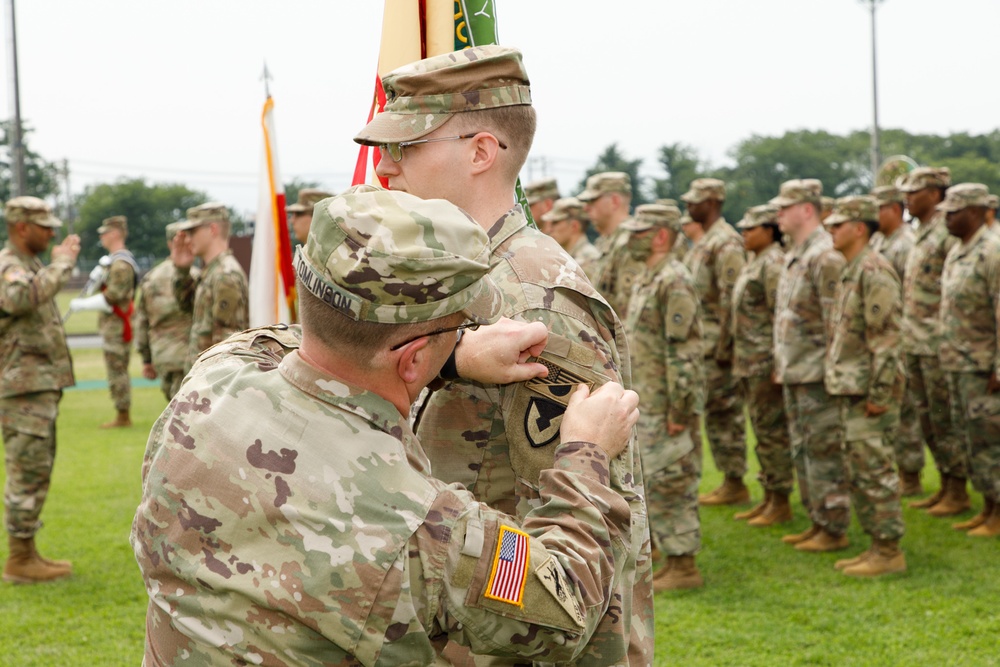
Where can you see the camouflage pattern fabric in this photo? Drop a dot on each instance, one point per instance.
(162, 328)
(496, 439)
(261, 544)
(976, 413)
(118, 290)
(218, 299)
(765, 406)
(587, 256)
(895, 248)
(29, 438)
(928, 386)
(665, 339)
(922, 287)
(617, 271)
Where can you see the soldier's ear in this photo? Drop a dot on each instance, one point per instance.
(411, 364)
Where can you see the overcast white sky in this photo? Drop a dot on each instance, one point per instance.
(170, 90)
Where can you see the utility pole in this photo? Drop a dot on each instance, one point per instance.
(68, 212)
(875, 156)
(19, 182)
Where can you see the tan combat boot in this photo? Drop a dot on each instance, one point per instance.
(680, 573)
(884, 558)
(778, 511)
(911, 485)
(25, 566)
(955, 499)
(797, 538)
(991, 526)
(978, 520)
(934, 499)
(756, 510)
(732, 492)
(822, 542)
(122, 419)
(849, 562)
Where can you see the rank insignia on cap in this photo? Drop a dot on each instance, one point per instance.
(558, 385)
(510, 567)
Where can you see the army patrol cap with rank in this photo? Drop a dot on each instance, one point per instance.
(756, 216)
(537, 191)
(888, 194)
(380, 256)
(650, 216)
(307, 199)
(119, 222)
(702, 189)
(423, 96)
(965, 195)
(564, 209)
(31, 209)
(798, 191)
(606, 183)
(197, 216)
(857, 208)
(925, 177)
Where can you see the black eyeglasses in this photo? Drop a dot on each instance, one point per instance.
(471, 326)
(395, 151)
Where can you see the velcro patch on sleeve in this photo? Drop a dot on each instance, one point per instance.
(510, 567)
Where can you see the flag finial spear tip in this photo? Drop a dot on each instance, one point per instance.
(266, 78)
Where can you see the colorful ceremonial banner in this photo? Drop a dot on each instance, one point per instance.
(272, 282)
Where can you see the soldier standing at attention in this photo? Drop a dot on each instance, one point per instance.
(802, 325)
(865, 375)
(218, 298)
(162, 329)
(36, 367)
(925, 188)
(715, 261)
(283, 520)
(567, 225)
(541, 196)
(115, 323)
(826, 204)
(301, 213)
(665, 338)
(754, 299)
(970, 324)
(606, 201)
(459, 127)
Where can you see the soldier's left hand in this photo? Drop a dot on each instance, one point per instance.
(499, 353)
(872, 410)
(993, 385)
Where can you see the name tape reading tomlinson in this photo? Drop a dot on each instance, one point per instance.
(329, 294)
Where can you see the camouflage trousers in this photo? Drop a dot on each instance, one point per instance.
(976, 415)
(767, 417)
(928, 386)
(725, 423)
(818, 454)
(874, 480)
(170, 381)
(671, 471)
(29, 439)
(907, 439)
(116, 357)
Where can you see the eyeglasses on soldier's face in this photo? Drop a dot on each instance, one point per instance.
(471, 326)
(395, 151)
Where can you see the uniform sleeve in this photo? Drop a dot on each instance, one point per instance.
(728, 265)
(993, 281)
(684, 351)
(772, 277)
(229, 306)
(141, 325)
(120, 285)
(882, 306)
(185, 284)
(826, 278)
(22, 291)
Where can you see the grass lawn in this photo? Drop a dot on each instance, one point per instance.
(764, 603)
(84, 322)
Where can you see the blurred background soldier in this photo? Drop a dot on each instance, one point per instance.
(116, 326)
(567, 225)
(162, 329)
(35, 367)
(826, 204)
(300, 214)
(683, 243)
(541, 196)
(606, 201)
(991, 213)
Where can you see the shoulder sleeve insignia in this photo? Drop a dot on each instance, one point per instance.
(542, 420)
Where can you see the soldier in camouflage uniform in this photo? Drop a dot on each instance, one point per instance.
(665, 339)
(715, 261)
(218, 298)
(35, 366)
(754, 299)
(991, 213)
(864, 372)
(802, 326)
(826, 208)
(300, 214)
(162, 329)
(542, 196)
(925, 188)
(443, 112)
(895, 240)
(970, 325)
(567, 225)
(683, 244)
(287, 517)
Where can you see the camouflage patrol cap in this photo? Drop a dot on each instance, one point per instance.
(119, 222)
(704, 188)
(925, 177)
(667, 202)
(826, 203)
(203, 214)
(888, 194)
(756, 216)
(856, 208)
(994, 202)
(687, 220)
(964, 195)
(380, 256)
(422, 96)
(798, 191)
(172, 229)
(564, 209)
(31, 209)
(649, 216)
(605, 183)
(537, 191)
(308, 197)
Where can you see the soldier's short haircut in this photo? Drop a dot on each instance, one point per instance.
(872, 227)
(513, 125)
(776, 234)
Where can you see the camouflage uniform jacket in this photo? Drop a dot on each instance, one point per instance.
(219, 300)
(119, 291)
(495, 440)
(863, 358)
(33, 352)
(715, 262)
(806, 295)
(303, 536)
(922, 288)
(754, 297)
(163, 330)
(896, 248)
(970, 305)
(587, 256)
(617, 271)
(665, 337)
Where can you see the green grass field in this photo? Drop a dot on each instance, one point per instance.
(764, 603)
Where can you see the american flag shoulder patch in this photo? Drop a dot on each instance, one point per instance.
(510, 567)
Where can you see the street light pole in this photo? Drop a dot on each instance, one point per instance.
(875, 157)
(18, 184)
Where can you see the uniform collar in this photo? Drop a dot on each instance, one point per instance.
(31, 260)
(853, 267)
(977, 238)
(509, 224)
